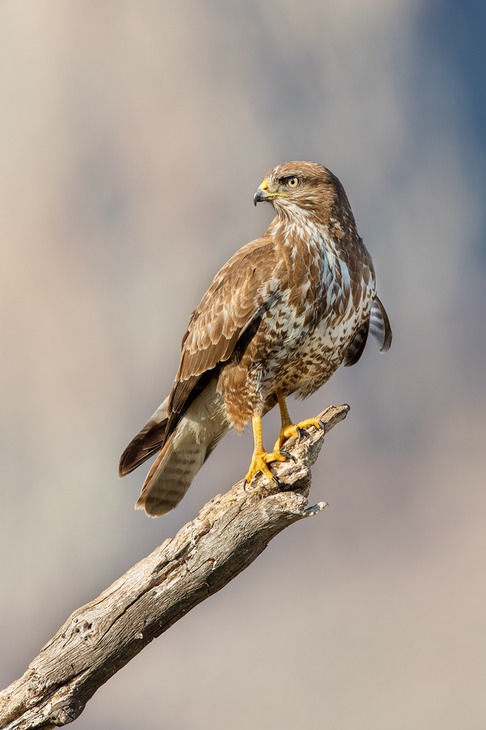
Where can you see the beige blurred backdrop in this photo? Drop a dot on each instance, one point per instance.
(132, 137)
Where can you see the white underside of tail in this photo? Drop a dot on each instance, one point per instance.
(187, 448)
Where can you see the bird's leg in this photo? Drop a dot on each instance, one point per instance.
(289, 429)
(262, 458)
(286, 423)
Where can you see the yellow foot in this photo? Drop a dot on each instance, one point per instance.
(260, 461)
(296, 429)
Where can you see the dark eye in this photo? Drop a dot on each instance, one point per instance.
(292, 182)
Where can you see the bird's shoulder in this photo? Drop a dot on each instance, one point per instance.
(236, 293)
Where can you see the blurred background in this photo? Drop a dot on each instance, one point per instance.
(132, 138)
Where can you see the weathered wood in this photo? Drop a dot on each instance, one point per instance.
(101, 637)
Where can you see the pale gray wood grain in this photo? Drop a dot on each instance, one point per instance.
(99, 638)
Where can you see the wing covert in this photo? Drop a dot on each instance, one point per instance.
(242, 289)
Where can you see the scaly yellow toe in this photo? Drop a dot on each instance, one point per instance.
(296, 429)
(259, 463)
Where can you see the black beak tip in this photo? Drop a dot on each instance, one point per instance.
(260, 196)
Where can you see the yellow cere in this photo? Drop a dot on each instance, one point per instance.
(265, 187)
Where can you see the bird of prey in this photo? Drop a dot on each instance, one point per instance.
(278, 319)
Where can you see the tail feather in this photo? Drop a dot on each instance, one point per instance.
(171, 474)
(147, 442)
(184, 452)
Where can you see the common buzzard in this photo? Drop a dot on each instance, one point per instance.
(278, 319)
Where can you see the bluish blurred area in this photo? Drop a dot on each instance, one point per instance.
(132, 138)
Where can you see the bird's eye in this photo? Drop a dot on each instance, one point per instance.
(292, 182)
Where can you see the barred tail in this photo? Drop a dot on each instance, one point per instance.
(183, 454)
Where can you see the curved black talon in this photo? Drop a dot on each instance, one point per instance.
(287, 454)
(300, 434)
(276, 481)
(323, 425)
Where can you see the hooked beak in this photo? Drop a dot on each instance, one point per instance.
(262, 193)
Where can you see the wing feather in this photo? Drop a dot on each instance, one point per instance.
(380, 326)
(238, 294)
(355, 349)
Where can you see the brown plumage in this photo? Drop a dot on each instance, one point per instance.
(278, 319)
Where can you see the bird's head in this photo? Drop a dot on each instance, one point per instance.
(299, 188)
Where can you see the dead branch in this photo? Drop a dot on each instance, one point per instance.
(102, 636)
